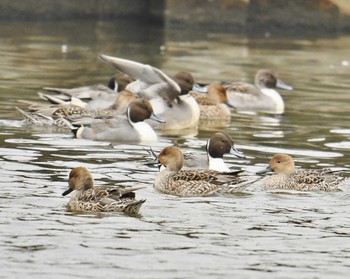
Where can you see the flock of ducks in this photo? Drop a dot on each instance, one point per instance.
(141, 100)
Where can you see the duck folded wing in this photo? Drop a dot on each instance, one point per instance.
(243, 88)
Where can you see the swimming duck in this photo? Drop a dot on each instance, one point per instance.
(129, 128)
(119, 82)
(89, 97)
(217, 146)
(260, 96)
(71, 110)
(104, 198)
(39, 119)
(215, 104)
(196, 182)
(169, 96)
(287, 177)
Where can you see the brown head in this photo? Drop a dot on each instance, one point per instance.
(282, 164)
(140, 110)
(217, 93)
(266, 78)
(171, 158)
(123, 100)
(119, 82)
(79, 179)
(185, 80)
(220, 144)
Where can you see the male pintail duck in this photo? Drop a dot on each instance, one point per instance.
(260, 96)
(104, 198)
(119, 82)
(287, 177)
(215, 104)
(90, 98)
(217, 146)
(116, 84)
(168, 96)
(131, 128)
(195, 182)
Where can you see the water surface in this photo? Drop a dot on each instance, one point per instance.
(256, 234)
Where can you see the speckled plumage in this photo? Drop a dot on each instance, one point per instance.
(213, 105)
(195, 182)
(99, 199)
(286, 177)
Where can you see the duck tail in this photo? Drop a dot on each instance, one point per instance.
(133, 207)
(74, 129)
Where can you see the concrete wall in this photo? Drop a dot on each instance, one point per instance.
(252, 16)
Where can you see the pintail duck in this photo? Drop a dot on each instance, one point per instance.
(116, 84)
(119, 82)
(38, 119)
(168, 96)
(217, 146)
(88, 97)
(196, 182)
(130, 128)
(260, 96)
(215, 104)
(104, 198)
(287, 177)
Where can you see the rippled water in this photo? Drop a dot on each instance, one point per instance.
(256, 234)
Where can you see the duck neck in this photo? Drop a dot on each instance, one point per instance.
(217, 164)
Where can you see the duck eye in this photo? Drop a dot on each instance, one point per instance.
(278, 162)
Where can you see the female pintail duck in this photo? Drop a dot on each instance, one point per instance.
(51, 115)
(260, 96)
(215, 104)
(196, 182)
(217, 146)
(104, 198)
(168, 96)
(132, 128)
(39, 119)
(77, 107)
(287, 177)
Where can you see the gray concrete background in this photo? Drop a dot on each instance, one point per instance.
(252, 16)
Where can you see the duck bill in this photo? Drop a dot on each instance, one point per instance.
(65, 193)
(282, 85)
(200, 88)
(237, 153)
(267, 169)
(156, 118)
(230, 105)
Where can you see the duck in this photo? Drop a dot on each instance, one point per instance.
(287, 177)
(215, 104)
(87, 197)
(172, 180)
(93, 97)
(89, 97)
(119, 82)
(169, 96)
(261, 96)
(131, 128)
(39, 119)
(71, 110)
(217, 146)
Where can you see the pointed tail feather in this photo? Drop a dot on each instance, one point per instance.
(134, 207)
